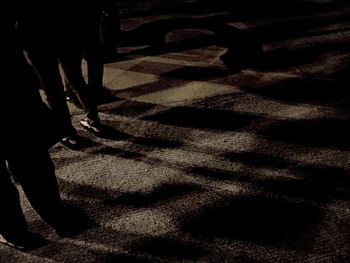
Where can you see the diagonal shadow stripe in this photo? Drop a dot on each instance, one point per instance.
(203, 118)
(164, 192)
(257, 219)
(169, 249)
(316, 133)
(303, 91)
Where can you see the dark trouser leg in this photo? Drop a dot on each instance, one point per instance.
(71, 68)
(36, 176)
(95, 68)
(12, 220)
(95, 74)
(46, 66)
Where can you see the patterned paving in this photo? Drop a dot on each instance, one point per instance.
(207, 163)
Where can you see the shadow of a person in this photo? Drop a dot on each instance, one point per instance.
(243, 48)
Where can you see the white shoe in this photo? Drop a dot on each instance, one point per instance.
(92, 127)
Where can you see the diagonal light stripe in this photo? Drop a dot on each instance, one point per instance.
(189, 92)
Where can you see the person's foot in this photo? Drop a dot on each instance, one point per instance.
(74, 142)
(71, 221)
(95, 128)
(25, 241)
(71, 97)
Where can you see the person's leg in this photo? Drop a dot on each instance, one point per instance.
(12, 220)
(36, 175)
(68, 92)
(71, 68)
(95, 69)
(46, 66)
(13, 225)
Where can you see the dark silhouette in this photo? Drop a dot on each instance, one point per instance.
(56, 37)
(98, 49)
(24, 153)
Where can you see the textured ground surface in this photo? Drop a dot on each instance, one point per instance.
(211, 158)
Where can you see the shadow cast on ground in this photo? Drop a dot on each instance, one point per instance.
(335, 133)
(203, 118)
(256, 219)
(161, 194)
(302, 90)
